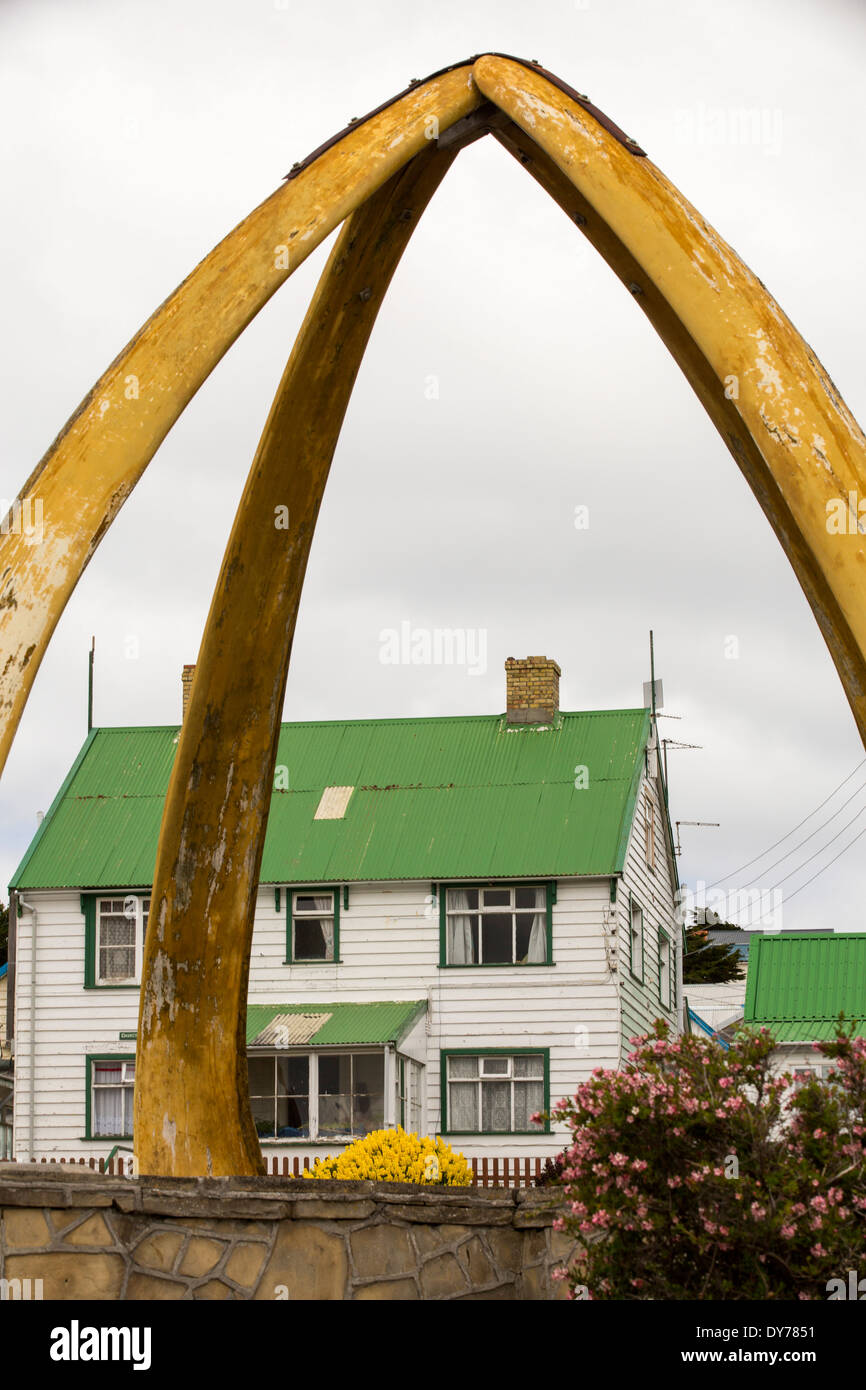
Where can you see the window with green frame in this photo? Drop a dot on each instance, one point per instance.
(320, 1094)
(666, 970)
(108, 1100)
(635, 940)
(312, 926)
(495, 1090)
(114, 930)
(496, 924)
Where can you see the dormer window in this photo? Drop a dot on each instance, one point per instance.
(313, 927)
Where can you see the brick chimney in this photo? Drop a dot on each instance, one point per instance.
(531, 690)
(186, 681)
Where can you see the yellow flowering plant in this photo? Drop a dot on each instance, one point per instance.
(392, 1155)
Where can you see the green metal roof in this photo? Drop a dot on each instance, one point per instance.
(338, 1024)
(433, 799)
(798, 983)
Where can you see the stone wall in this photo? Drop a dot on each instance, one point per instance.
(89, 1236)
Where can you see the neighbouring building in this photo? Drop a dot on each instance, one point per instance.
(798, 983)
(457, 920)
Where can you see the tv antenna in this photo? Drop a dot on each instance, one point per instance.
(674, 743)
(679, 848)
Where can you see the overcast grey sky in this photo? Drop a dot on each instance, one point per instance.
(509, 381)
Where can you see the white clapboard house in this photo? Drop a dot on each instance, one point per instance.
(457, 920)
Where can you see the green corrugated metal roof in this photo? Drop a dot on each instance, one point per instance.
(358, 1024)
(798, 983)
(433, 798)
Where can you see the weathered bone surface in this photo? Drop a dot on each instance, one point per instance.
(798, 446)
(102, 451)
(195, 1118)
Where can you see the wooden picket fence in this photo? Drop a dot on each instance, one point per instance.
(486, 1172)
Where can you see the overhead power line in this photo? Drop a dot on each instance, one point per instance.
(825, 867)
(789, 833)
(770, 867)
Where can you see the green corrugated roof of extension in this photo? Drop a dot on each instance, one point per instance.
(332, 1025)
(798, 983)
(432, 799)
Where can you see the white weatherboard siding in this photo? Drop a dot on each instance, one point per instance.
(653, 891)
(71, 1023)
(798, 1056)
(389, 949)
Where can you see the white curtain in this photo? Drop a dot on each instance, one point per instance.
(538, 938)
(461, 947)
(108, 1105)
(325, 905)
(538, 935)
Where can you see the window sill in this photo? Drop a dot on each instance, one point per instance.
(103, 1138)
(323, 1143)
(312, 962)
(501, 965)
(132, 985)
(493, 1133)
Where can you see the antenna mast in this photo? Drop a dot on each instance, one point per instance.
(90, 684)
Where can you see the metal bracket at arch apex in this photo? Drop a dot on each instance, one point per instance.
(579, 97)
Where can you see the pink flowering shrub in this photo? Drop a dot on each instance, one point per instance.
(695, 1173)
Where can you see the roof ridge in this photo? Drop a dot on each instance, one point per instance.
(375, 720)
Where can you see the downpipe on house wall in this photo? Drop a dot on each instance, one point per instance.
(32, 1118)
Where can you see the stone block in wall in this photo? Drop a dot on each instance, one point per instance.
(562, 1245)
(534, 1246)
(497, 1294)
(39, 1195)
(308, 1262)
(378, 1251)
(396, 1289)
(213, 1291)
(201, 1256)
(527, 1218)
(336, 1208)
(506, 1247)
(429, 1240)
(24, 1229)
(244, 1265)
(147, 1286)
(72, 1274)
(534, 1283)
(210, 1207)
(159, 1250)
(250, 1230)
(474, 1258)
(445, 1213)
(442, 1277)
(91, 1231)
